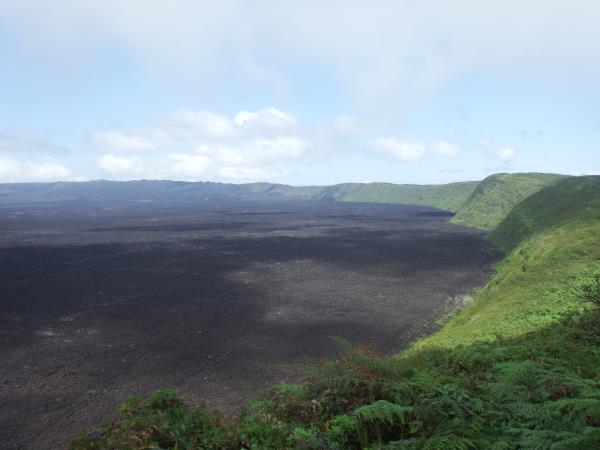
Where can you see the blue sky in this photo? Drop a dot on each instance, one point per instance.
(298, 92)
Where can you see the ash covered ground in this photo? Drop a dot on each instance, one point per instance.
(219, 301)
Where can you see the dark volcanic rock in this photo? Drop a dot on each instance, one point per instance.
(218, 301)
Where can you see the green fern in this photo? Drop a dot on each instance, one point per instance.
(384, 412)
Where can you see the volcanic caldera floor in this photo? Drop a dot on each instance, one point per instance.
(219, 301)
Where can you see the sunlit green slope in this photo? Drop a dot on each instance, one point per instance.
(495, 197)
(573, 202)
(553, 241)
(444, 196)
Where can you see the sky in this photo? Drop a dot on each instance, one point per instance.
(311, 92)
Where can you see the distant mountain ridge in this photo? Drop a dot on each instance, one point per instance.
(482, 204)
(447, 196)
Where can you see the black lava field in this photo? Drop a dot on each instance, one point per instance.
(218, 301)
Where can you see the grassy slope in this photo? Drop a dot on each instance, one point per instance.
(444, 196)
(482, 204)
(497, 195)
(552, 240)
(573, 200)
(517, 369)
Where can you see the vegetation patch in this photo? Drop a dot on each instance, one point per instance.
(496, 196)
(443, 196)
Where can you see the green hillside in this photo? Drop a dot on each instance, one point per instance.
(495, 197)
(553, 241)
(569, 202)
(518, 368)
(444, 196)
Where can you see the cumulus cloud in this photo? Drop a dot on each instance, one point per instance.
(189, 166)
(9, 169)
(30, 156)
(120, 165)
(411, 151)
(445, 148)
(257, 151)
(506, 154)
(200, 123)
(46, 171)
(268, 118)
(250, 173)
(12, 170)
(252, 160)
(195, 126)
(119, 141)
(248, 145)
(402, 150)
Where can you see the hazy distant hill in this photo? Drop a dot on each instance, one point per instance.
(176, 192)
(481, 204)
(448, 196)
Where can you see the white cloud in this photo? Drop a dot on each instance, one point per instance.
(12, 170)
(280, 148)
(120, 165)
(198, 123)
(411, 151)
(402, 150)
(120, 141)
(249, 145)
(506, 154)
(189, 165)
(26, 156)
(257, 151)
(232, 158)
(445, 149)
(9, 168)
(249, 173)
(46, 171)
(268, 118)
(253, 160)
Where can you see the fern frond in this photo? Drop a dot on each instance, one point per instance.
(384, 412)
